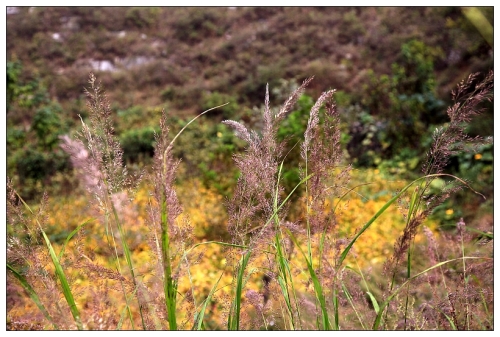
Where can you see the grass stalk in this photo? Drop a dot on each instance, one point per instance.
(465, 278)
(33, 295)
(389, 203)
(326, 325)
(169, 282)
(349, 298)
(284, 273)
(68, 295)
(234, 317)
(198, 319)
(377, 321)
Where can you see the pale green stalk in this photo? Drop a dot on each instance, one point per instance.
(284, 273)
(169, 283)
(198, 319)
(234, 316)
(317, 286)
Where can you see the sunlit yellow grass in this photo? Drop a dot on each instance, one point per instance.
(206, 213)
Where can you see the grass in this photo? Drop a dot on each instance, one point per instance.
(282, 274)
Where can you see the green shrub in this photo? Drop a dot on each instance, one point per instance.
(48, 126)
(141, 17)
(196, 24)
(211, 99)
(138, 144)
(402, 104)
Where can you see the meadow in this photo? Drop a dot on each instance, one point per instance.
(333, 247)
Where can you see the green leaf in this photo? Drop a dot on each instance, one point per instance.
(377, 321)
(64, 283)
(389, 203)
(374, 302)
(198, 322)
(61, 253)
(317, 285)
(33, 295)
(59, 272)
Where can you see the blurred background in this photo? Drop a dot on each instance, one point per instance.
(393, 69)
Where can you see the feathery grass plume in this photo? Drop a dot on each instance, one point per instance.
(452, 139)
(322, 154)
(26, 254)
(170, 236)
(447, 141)
(39, 266)
(104, 175)
(252, 204)
(257, 195)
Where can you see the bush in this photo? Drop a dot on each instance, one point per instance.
(402, 104)
(48, 126)
(141, 17)
(138, 145)
(196, 24)
(213, 99)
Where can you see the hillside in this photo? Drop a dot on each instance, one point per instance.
(393, 69)
(174, 55)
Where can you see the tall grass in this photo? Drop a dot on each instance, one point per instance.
(307, 278)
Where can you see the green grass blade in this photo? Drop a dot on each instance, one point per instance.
(483, 300)
(126, 310)
(284, 273)
(376, 323)
(122, 318)
(448, 318)
(286, 296)
(169, 284)
(198, 322)
(33, 295)
(389, 203)
(128, 258)
(374, 302)
(59, 272)
(349, 298)
(482, 234)
(68, 295)
(61, 253)
(191, 121)
(235, 319)
(335, 300)
(317, 285)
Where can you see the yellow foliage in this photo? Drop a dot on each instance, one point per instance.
(205, 210)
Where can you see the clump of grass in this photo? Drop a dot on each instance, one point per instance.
(306, 281)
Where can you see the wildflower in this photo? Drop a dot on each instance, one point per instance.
(478, 156)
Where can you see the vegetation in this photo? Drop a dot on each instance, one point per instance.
(306, 279)
(365, 207)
